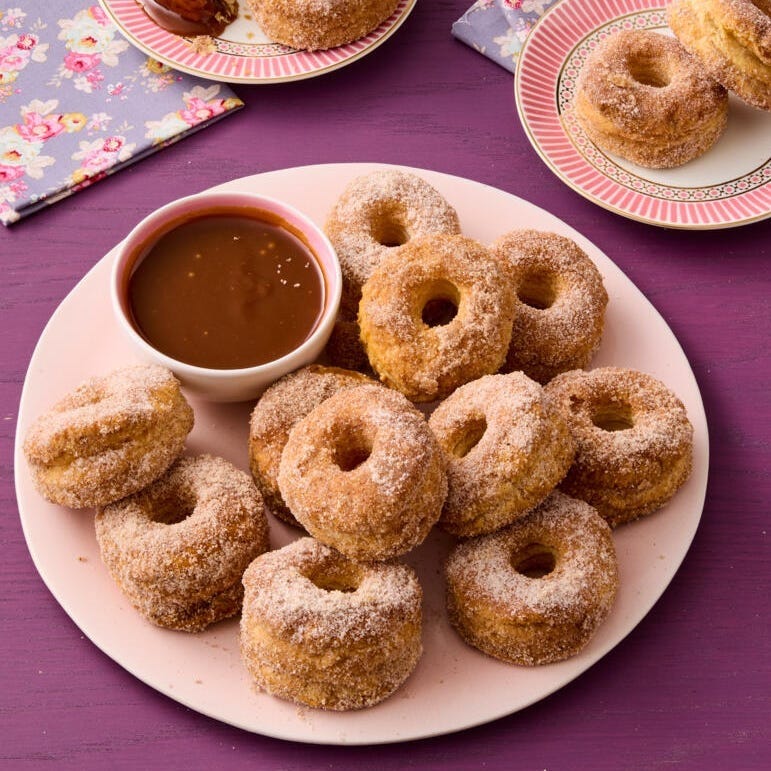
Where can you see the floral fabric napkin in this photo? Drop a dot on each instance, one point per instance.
(78, 103)
(498, 28)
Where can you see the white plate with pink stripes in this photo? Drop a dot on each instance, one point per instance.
(243, 54)
(728, 186)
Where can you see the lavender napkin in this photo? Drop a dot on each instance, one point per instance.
(498, 28)
(78, 103)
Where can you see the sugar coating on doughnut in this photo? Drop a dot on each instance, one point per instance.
(427, 359)
(325, 632)
(507, 451)
(536, 591)
(109, 437)
(561, 303)
(363, 473)
(284, 403)
(375, 215)
(732, 39)
(319, 24)
(642, 96)
(178, 548)
(634, 442)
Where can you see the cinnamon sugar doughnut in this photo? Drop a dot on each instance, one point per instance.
(507, 451)
(376, 214)
(561, 303)
(732, 39)
(364, 474)
(319, 24)
(634, 442)
(288, 400)
(178, 548)
(437, 314)
(536, 591)
(642, 96)
(109, 437)
(326, 632)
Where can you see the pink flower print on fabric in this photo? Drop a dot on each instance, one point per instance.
(16, 52)
(39, 128)
(201, 104)
(10, 173)
(81, 62)
(198, 110)
(90, 40)
(67, 75)
(100, 155)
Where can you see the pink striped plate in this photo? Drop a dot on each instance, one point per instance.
(730, 185)
(243, 53)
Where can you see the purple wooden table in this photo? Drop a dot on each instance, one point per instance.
(688, 688)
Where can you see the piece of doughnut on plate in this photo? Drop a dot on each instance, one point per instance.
(536, 591)
(375, 215)
(363, 473)
(732, 39)
(325, 632)
(319, 24)
(634, 442)
(110, 437)
(642, 96)
(507, 449)
(561, 303)
(284, 403)
(178, 548)
(436, 314)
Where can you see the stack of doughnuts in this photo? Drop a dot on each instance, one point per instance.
(519, 453)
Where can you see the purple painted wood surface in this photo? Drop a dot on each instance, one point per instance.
(689, 688)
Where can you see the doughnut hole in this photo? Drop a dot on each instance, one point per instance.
(389, 230)
(173, 509)
(649, 70)
(538, 289)
(336, 578)
(764, 6)
(613, 416)
(535, 560)
(438, 302)
(352, 448)
(468, 436)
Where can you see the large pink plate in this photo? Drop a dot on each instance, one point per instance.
(454, 686)
(243, 54)
(728, 186)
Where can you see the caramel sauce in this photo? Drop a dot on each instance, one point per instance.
(226, 290)
(211, 23)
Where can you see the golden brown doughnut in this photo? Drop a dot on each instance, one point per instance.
(634, 442)
(376, 214)
(507, 451)
(326, 632)
(178, 548)
(561, 303)
(642, 96)
(288, 400)
(536, 591)
(109, 437)
(437, 314)
(363, 473)
(732, 39)
(319, 24)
